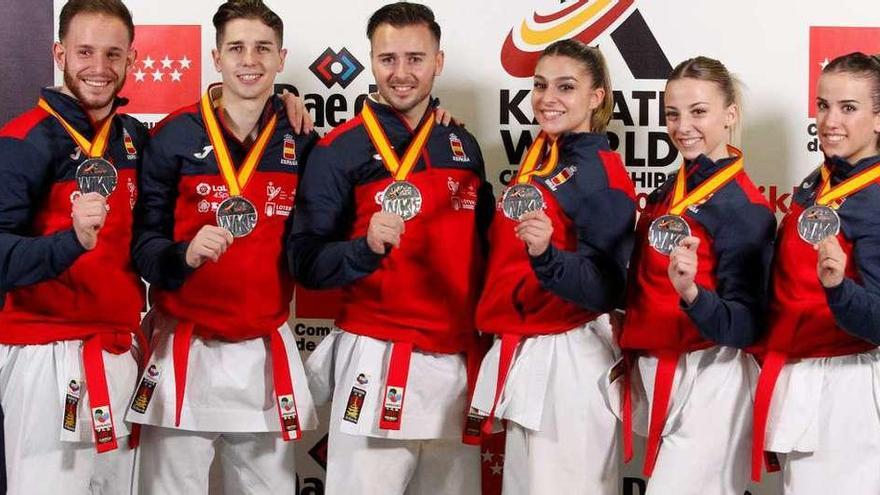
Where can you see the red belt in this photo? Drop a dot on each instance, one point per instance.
(509, 343)
(103, 426)
(663, 380)
(770, 369)
(393, 398)
(285, 400)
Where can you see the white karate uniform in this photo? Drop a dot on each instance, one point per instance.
(825, 418)
(41, 456)
(706, 442)
(229, 409)
(426, 455)
(561, 433)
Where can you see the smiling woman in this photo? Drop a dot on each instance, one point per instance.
(824, 318)
(695, 296)
(557, 265)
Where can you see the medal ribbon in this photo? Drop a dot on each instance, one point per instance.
(400, 169)
(530, 162)
(94, 149)
(680, 201)
(854, 184)
(235, 183)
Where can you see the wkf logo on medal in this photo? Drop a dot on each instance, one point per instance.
(585, 20)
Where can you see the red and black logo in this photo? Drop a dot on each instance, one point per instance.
(336, 68)
(585, 20)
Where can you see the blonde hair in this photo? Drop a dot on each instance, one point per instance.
(712, 70)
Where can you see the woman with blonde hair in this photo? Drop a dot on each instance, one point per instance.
(695, 295)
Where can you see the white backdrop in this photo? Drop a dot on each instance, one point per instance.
(770, 46)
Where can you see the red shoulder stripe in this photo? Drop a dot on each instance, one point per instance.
(194, 108)
(752, 193)
(339, 130)
(618, 177)
(20, 126)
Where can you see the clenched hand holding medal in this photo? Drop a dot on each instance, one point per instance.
(401, 200)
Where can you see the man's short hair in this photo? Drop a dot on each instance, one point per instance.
(401, 14)
(247, 9)
(112, 8)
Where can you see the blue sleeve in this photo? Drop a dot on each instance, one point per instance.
(25, 259)
(594, 275)
(743, 246)
(319, 252)
(157, 258)
(856, 306)
(485, 202)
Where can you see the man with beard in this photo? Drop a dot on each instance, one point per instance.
(393, 209)
(67, 186)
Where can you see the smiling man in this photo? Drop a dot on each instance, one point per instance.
(225, 379)
(67, 183)
(393, 209)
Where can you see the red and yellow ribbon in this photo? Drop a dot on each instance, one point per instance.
(528, 168)
(93, 149)
(399, 169)
(854, 184)
(235, 182)
(681, 199)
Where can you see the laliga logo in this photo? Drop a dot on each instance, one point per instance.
(585, 20)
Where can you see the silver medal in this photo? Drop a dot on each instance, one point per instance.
(816, 223)
(237, 215)
(666, 232)
(402, 198)
(520, 199)
(96, 175)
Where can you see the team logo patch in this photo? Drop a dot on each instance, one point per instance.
(458, 153)
(145, 390)
(103, 424)
(362, 379)
(393, 404)
(461, 199)
(355, 405)
(278, 201)
(560, 178)
(71, 403)
(129, 145)
(203, 189)
(288, 154)
(288, 412)
(474, 424)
